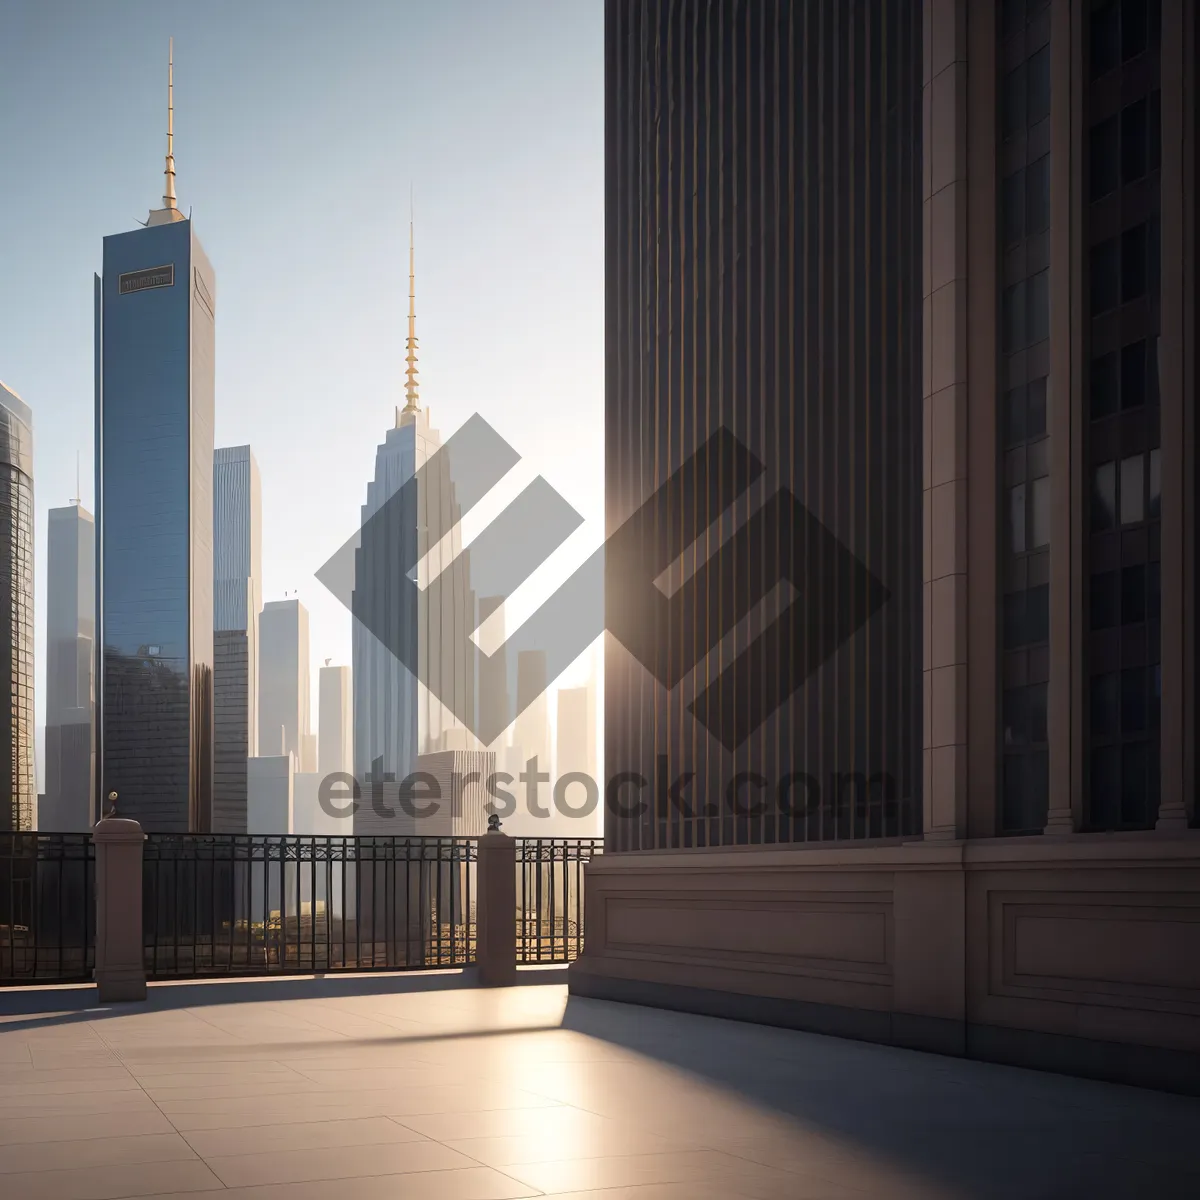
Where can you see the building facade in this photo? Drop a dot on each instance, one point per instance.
(1041, 909)
(155, 314)
(237, 602)
(69, 801)
(17, 788)
(335, 722)
(284, 704)
(399, 714)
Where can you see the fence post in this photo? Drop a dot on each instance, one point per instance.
(120, 959)
(496, 910)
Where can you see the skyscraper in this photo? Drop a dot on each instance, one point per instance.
(237, 601)
(17, 789)
(531, 733)
(69, 803)
(335, 723)
(155, 314)
(788, 240)
(396, 718)
(284, 713)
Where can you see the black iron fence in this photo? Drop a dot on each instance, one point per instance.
(47, 908)
(234, 904)
(550, 897)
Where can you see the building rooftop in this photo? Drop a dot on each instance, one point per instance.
(382, 1086)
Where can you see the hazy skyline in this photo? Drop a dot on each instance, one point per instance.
(299, 130)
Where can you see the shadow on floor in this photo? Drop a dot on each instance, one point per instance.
(980, 1130)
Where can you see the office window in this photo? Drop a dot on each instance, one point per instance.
(1012, 102)
(1106, 275)
(1105, 385)
(1133, 375)
(1016, 519)
(1104, 607)
(1105, 157)
(1013, 318)
(1154, 504)
(1039, 513)
(1024, 735)
(1133, 594)
(1037, 195)
(1012, 206)
(1135, 141)
(1037, 308)
(1132, 489)
(1134, 252)
(1105, 704)
(1134, 31)
(1037, 78)
(1037, 397)
(1104, 496)
(1106, 38)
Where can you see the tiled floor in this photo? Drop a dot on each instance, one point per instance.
(425, 1089)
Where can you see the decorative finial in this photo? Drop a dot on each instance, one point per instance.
(494, 823)
(169, 196)
(411, 404)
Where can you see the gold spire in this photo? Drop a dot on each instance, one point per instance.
(169, 196)
(411, 386)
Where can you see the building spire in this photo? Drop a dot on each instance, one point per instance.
(169, 194)
(411, 386)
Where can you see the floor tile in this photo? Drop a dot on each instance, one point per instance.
(111, 1182)
(302, 1135)
(93, 1152)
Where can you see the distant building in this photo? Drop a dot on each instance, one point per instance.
(155, 347)
(69, 803)
(532, 733)
(237, 601)
(269, 794)
(17, 788)
(283, 697)
(335, 722)
(395, 717)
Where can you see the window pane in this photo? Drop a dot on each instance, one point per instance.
(1104, 162)
(1156, 696)
(1037, 74)
(1014, 416)
(1014, 620)
(1037, 307)
(1037, 614)
(1106, 38)
(1036, 713)
(1155, 483)
(1135, 129)
(1015, 791)
(1104, 705)
(1035, 425)
(1104, 385)
(1105, 787)
(1134, 808)
(1153, 257)
(1037, 195)
(1133, 594)
(1039, 512)
(1133, 28)
(1152, 370)
(1133, 699)
(1012, 16)
(1153, 591)
(1012, 203)
(1016, 518)
(1133, 375)
(1016, 724)
(1133, 484)
(1013, 318)
(1013, 102)
(1104, 496)
(1106, 275)
(1133, 263)
(1104, 609)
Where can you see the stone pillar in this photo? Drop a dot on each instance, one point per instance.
(120, 962)
(945, 419)
(496, 910)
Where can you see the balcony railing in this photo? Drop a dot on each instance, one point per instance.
(47, 908)
(550, 897)
(232, 904)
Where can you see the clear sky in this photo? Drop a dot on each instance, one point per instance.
(299, 127)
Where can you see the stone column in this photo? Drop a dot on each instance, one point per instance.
(120, 961)
(944, 174)
(496, 910)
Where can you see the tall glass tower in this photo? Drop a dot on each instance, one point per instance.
(17, 798)
(154, 515)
